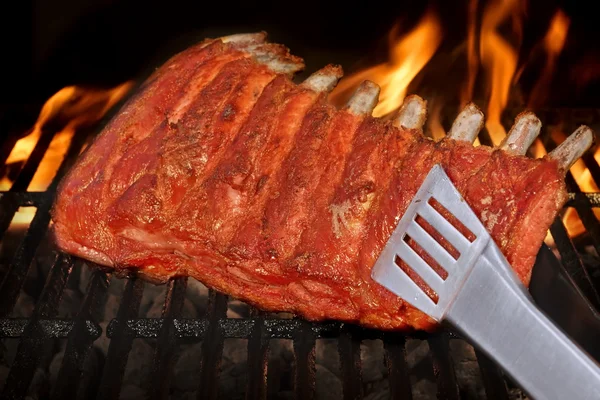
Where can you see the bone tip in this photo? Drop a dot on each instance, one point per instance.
(528, 122)
(256, 37)
(467, 124)
(570, 150)
(525, 129)
(472, 108)
(365, 98)
(412, 113)
(325, 79)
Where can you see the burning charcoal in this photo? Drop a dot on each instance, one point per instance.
(132, 392)
(4, 370)
(197, 293)
(424, 389)
(70, 303)
(280, 371)
(234, 369)
(111, 307)
(237, 309)
(328, 381)
(187, 368)
(139, 363)
(54, 367)
(373, 366)
(419, 364)
(24, 306)
(379, 390)
(328, 384)
(39, 385)
(157, 304)
(467, 369)
(91, 369)
(374, 370)
(152, 300)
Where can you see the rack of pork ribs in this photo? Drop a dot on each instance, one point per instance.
(221, 168)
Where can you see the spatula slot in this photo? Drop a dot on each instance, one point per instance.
(470, 236)
(416, 278)
(438, 237)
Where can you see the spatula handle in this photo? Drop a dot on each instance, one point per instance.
(494, 310)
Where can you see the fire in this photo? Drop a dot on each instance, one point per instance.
(472, 55)
(583, 178)
(553, 44)
(405, 63)
(499, 59)
(79, 107)
(585, 182)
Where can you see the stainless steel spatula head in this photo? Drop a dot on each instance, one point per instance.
(437, 187)
(479, 293)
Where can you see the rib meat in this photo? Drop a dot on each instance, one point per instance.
(223, 169)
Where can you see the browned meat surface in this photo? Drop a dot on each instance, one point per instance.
(223, 169)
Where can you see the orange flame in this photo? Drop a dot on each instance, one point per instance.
(405, 63)
(499, 59)
(472, 55)
(585, 182)
(80, 107)
(553, 44)
(583, 178)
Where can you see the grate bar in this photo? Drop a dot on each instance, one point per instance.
(34, 343)
(395, 360)
(593, 198)
(592, 165)
(586, 214)
(80, 338)
(493, 382)
(240, 328)
(572, 263)
(164, 353)
(443, 368)
(8, 206)
(304, 355)
(7, 148)
(212, 347)
(33, 162)
(258, 348)
(19, 267)
(349, 350)
(55, 328)
(122, 339)
(24, 199)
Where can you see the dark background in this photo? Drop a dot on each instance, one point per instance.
(48, 44)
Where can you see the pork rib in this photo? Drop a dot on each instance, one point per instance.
(222, 169)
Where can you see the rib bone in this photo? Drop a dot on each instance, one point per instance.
(522, 134)
(412, 113)
(325, 79)
(365, 98)
(276, 56)
(569, 151)
(467, 125)
(244, 38)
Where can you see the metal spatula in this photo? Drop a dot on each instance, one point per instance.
(481, 296)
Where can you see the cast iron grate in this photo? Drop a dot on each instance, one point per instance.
(171, 329)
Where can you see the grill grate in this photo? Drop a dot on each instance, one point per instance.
(43, 328)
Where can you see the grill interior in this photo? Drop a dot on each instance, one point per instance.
(224, 348)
